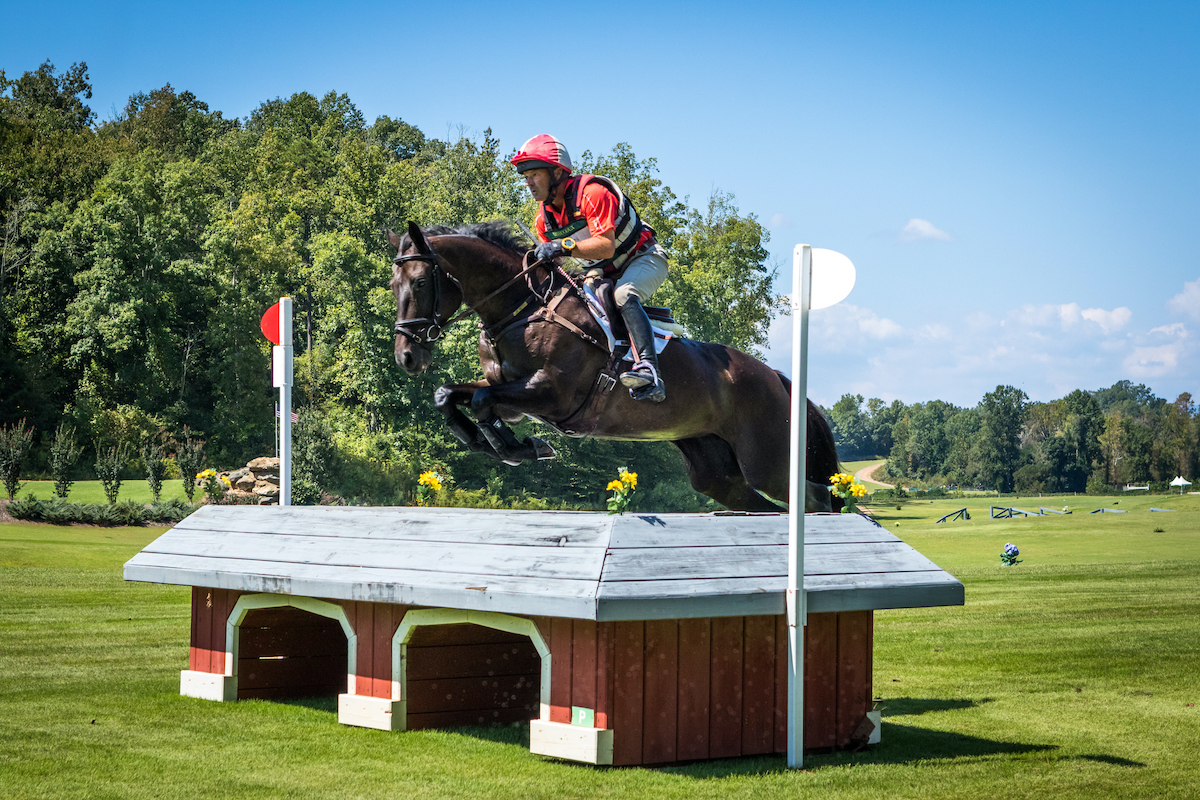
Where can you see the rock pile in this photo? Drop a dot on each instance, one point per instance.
(258, 481)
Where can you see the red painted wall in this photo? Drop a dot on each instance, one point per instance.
(671, 690)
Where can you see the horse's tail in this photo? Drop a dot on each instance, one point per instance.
(821, 453)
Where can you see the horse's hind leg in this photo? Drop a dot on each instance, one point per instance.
(714, 471)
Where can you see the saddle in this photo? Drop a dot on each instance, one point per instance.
(601, 302)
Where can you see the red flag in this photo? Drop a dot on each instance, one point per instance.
(270, 324)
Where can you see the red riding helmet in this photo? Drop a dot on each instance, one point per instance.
(542, 152)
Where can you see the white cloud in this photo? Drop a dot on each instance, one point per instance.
(1176, 329)
(779, 221)
(922, 229)
(1068, 315)
(1109, 321)
(1048, 350)
(1188, 301)
(1152, 362)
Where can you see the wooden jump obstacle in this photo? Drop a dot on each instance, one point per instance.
(1004, 512)
(954, 515)
(636, 639)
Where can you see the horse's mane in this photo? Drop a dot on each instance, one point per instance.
(501, 232)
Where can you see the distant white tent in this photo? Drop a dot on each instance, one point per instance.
(1180, 482)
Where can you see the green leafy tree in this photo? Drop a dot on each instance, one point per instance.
(64, 454)
(189, 455)
(14, 445)
(719, 285)
(154, 457)
(1002, 414)
(110, 463)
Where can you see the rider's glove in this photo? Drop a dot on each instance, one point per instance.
(548, 250)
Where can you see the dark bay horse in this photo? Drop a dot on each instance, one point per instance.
(545, 357)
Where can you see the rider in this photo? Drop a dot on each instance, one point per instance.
(589, 218)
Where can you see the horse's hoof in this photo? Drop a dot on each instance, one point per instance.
(541, 450)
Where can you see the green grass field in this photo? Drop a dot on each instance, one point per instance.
(1073, 674)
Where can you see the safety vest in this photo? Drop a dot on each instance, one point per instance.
(627, 228)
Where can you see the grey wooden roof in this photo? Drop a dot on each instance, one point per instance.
(583, 565)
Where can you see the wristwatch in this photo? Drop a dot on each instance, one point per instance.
(568, 244)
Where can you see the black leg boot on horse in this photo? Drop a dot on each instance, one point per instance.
(643, 380)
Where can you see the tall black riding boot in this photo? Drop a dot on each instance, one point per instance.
(643, 380)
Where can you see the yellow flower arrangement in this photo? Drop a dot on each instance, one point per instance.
(428, 484)
(214, 485)
(845, 486)
(622, 488)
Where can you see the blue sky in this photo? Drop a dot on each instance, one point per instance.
(1018, 184)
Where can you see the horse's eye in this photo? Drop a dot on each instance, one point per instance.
(419, 283)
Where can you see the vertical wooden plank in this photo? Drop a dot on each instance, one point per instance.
(605, 642)
(695, 663)
(853, 693)
(781, 684)
(381, 664)
(758, 685)
(364, 615)
(628, 692)
(661, 695)
(869, 682)
(820, 681)
(560, 670)
(204, 630)
(725, 717)
(219, 614)
(583, 663)
(194, 635)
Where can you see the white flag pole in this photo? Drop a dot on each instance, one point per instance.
(797, 601)
(282, 363)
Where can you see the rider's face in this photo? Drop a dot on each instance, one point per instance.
(538, 182)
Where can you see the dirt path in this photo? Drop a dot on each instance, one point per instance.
(865, 474)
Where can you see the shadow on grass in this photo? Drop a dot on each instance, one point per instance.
(903, 744)
(915, 706)
(1116, 761)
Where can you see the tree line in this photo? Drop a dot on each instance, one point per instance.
(1086, 441)
(138, 254)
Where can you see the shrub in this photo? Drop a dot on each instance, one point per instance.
(29, 509)
(63, 456)
(169, 511)
(109, 463)
(154, 456)
(130, 512)
(57, 511)
(305, 492)
(189, 455)
(14, 444)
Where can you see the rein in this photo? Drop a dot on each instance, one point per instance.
(433, 329)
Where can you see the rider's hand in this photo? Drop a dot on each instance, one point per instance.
(548, 250)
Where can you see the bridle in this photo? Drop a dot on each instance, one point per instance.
(424, 331)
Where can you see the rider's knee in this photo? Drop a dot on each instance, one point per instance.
(624, 292)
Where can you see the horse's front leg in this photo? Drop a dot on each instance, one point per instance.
(447, 400)
(529, 396)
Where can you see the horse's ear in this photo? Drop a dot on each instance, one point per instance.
(418, 238)
(393, 238)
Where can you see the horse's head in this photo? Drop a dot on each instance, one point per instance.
(425, 298)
